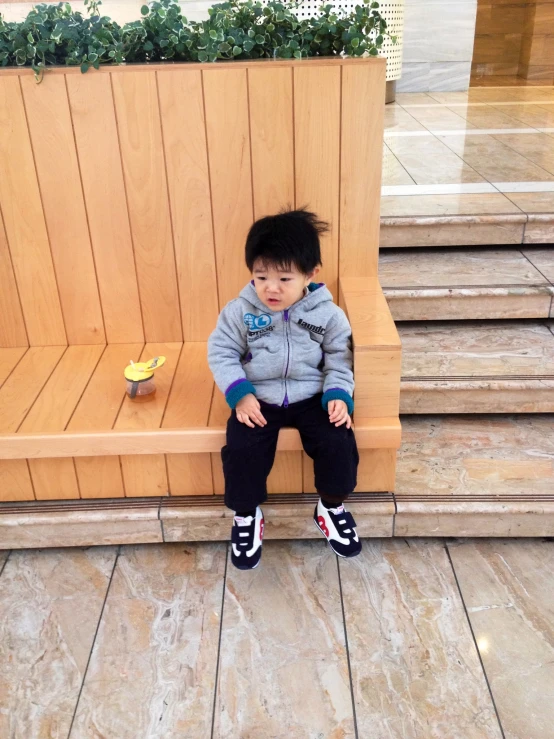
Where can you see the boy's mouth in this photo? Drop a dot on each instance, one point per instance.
(273, 301)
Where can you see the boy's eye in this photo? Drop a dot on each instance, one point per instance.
(285, 279)
(261, 278)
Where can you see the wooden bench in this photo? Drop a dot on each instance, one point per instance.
(127, 197)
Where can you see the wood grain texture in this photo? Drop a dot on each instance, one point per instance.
(372, 433)
(56, 478)
(51, 131)
(189, 406)
(140, 137)
(317, 92)
(12, 323)
(100, 477)
(9, 359)
(184, 134)
(146, 475)
(361, 141)
(226, 100)
(96, 136)
(17, 395)
(272, 139)
(24, 222)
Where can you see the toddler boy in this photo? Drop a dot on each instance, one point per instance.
(281, 352)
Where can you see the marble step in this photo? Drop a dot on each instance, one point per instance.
(477, 475)
(477, 367)
(457, 476)
(470, 283)
(461, 230)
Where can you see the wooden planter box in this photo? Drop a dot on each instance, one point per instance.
(125, 198)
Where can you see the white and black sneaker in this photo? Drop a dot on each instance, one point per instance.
(339, 528)
(246, 540)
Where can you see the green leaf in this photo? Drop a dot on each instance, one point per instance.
(237, 50)
(213, 34)
(202, 56)
(260, 39)
(84, 67)
(379, 40)
(373, 51)
(144, 10)
(224, 47)
(148, 46)
(355, 42)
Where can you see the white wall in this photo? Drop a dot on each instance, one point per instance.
(438, 45)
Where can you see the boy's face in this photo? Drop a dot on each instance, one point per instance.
(278, 289)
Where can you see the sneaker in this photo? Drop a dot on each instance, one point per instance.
(339, 528)
(246, 540)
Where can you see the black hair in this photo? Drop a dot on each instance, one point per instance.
(289, 238)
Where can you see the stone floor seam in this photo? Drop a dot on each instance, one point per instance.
(219, 639)
(474, 639)
(94, 641)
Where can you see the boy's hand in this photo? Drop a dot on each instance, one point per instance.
(248, 410)
(338, 413)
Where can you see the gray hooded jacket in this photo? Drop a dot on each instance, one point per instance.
(283, 356)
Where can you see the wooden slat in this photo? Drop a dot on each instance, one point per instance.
(55, 478)
(12, 325)
(146, 475)
(17, 395)
(184, 133)
(59, 179)
(363, 92)
(378, 433)
(100, 477)
(23, 386)
(24, 222)
(94, 122)
(140, 136)
(272, 136)
(317, 93)
(189, 407)
(226, 99)
(8, 360)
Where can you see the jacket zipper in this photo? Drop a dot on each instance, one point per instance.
(286, 319)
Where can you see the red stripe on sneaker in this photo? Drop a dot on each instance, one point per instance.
(322, 526)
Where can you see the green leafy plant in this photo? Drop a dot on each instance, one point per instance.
(237, 29)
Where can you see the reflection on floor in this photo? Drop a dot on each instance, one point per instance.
(415, 638)
(485, 151)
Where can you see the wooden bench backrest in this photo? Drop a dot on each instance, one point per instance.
(126, 194)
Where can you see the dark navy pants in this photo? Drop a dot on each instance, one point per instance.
(249, 453)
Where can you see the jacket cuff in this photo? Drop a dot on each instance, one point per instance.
(238, 390)
(337, 393)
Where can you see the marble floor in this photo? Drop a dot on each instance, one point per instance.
(452, 639)
(485, 151)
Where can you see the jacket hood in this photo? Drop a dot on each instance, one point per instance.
(318, 293)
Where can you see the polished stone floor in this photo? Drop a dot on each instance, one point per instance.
(452, 639)
(488, 150)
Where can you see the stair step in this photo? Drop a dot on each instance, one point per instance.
(477, 367)
(461, 230)
(445, 284)
(475, 476)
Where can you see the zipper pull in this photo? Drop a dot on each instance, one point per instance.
(286, 315)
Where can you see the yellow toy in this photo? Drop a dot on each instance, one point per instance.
(140, 377)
